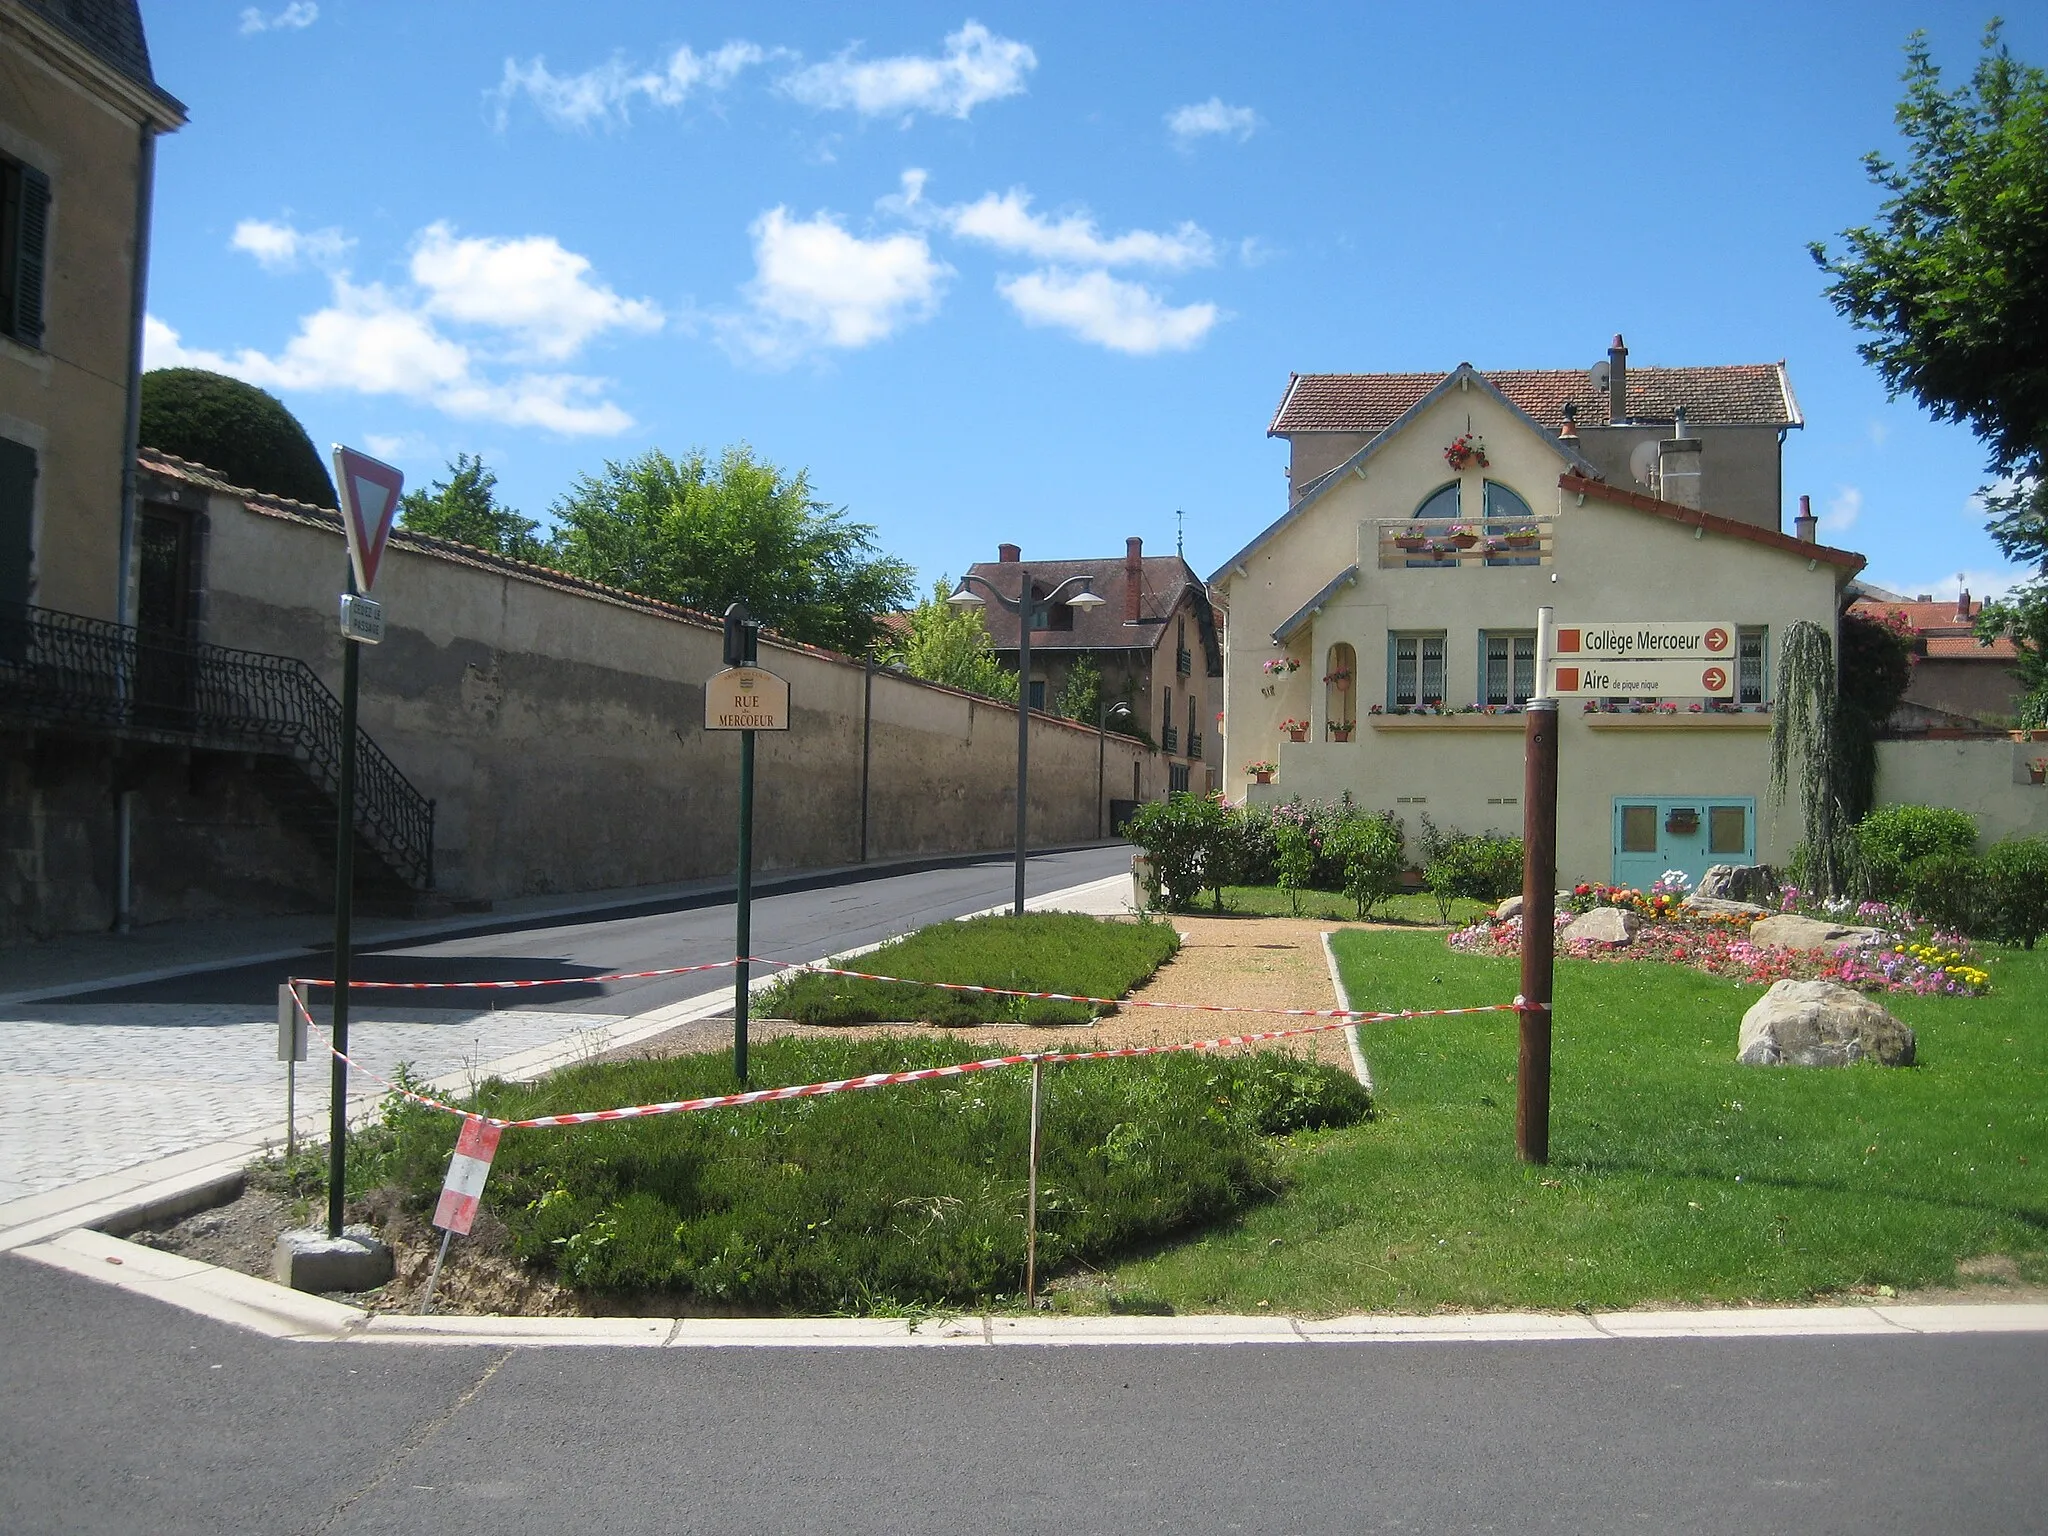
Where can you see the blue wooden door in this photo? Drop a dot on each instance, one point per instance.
(1690, 833)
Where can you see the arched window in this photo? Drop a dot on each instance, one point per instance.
(1339, 685)
(1504, 503)
(1443, 501)
(1508, 523)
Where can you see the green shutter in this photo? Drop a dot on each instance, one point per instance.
(29, 261)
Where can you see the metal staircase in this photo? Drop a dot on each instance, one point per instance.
(60, 669)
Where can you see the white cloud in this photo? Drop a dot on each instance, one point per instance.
(281, 247)
(977, 67)
(371, 339)
(1008, 224)
(295, 17)
(605, 94)
(815, 286)
(531, 286)
(1125, 317)
(1204, 119)
(1844, 507)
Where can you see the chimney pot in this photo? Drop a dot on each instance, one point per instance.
(1134, 579)
(1963, 606)
(1617, 380)
(1805, 526)
(1009, 554)
(1570, 430)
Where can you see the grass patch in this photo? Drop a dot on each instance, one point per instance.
(1038, 952)
(879, 1200)
(1412, 907)
(1676, 1175)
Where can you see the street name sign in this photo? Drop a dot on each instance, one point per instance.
(1644, 640)
(1645, 679)
(746, 699)
(369, 490)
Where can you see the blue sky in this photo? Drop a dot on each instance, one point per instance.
(1029, 273)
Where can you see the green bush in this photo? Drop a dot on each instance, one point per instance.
(1893, 838)
(1482, 867)
(1295, 860)
(1370, 850)
(889, 1197)
(1038, 952)
(1183, 838)
(242, 433)
(1948, 890)
(2016, 889)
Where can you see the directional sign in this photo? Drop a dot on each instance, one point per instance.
(1645, 679)
(746, 699)
(1644, 640)
(369, 500)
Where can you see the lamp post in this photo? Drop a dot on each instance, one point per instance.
(1075, 594)
(1104, 713)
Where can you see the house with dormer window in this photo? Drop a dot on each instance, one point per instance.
(1382, 632)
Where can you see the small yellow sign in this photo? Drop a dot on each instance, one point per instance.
(746, 699)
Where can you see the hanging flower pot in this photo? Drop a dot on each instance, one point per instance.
(1461, 536)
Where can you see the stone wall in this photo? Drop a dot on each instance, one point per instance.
(1987, 776)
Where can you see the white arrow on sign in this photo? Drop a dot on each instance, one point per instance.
(369, 491)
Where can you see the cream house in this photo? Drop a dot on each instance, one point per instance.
(1389, 617)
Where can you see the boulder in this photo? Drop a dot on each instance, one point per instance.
(1719, 907)
(1821, 1024)
(1508, 910)
(1603, 925)
(1740, 882)
(1791, 931)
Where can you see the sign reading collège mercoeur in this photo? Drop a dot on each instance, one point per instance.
(746, 699)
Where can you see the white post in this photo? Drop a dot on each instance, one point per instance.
(1544, 630)
(1031, 1219)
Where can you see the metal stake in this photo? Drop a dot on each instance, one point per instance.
(291, 1108)
(1031, 1198)
(1539, 909)
(344, 897)
(434, 1277)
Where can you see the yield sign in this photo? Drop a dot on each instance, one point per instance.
(369, 500)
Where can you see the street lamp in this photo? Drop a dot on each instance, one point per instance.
(1075, 594)
(1104, 713)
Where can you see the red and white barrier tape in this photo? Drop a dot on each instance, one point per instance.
(505, 986)
(1341, 1019)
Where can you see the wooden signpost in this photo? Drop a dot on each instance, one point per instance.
(746, 699)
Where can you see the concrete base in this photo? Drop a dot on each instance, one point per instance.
(307, 1259)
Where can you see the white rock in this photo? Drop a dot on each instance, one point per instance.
(1603, 925)
(1821, 1024)
(1791, 931)
(1720, 906)
(1511, 908)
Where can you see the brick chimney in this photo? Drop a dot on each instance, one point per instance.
(1963, 614)
(1134, 579)
(1804, 526)
(1617, 381)
(1009, 554)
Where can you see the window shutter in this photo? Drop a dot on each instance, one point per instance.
(29, 259)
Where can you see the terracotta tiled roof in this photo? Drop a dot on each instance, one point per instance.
(1770, 538)
(1730, 394)
(1949, 635)
(1163, 578)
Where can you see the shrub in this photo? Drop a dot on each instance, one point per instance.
(2016, 889)
(1038, 952)
(1295, 860)
(889, 1197)
(1894, 837)
(1947, 890)
(1370, 850)
(1182, 838)
(243, 433)
(1484, 867)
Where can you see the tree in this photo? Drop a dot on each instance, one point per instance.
(1953, 290)
(944, 644)
(465, 509)
(242, 433)
(700, 534)
(1081, 695)
(1877, 666)
(1806, 729)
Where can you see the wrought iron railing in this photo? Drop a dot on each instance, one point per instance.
(1195, 744)
(1169, 740)
(64, 669)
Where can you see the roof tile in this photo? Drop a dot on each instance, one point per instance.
(1729, 394)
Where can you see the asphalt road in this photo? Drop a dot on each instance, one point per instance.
(121, 1415)
(801, 925)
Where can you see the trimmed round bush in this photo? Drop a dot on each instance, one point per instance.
(242, 433)
(2016, 889)
(1893, 838)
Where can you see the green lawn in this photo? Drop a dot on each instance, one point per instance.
(1038, 952)
(1328, 906)
(1676, 1175)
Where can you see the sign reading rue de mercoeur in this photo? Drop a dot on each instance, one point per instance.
(746, 699)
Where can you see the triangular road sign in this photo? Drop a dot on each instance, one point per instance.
(369, 500)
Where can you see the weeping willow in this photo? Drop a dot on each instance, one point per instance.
(1806, 734)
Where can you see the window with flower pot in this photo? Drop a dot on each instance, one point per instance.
(1339, 679)
(1749, 664)
(1512, 535)
(1415, 669)
(1507, 669)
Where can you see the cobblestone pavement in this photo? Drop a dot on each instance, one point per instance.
(86, 1089)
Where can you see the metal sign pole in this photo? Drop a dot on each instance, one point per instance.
(1031, 1199)
(1539, 907)
(344, 895)
(744, 939)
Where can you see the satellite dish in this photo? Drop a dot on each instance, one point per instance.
(1602, 375)
(1642, 462)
